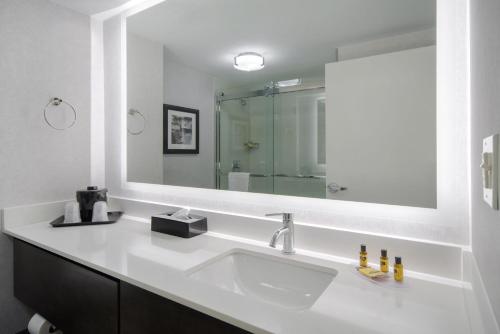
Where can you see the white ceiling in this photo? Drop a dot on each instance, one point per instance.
(296, 37)
(90, 7)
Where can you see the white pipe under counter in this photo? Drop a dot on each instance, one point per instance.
(129, 251)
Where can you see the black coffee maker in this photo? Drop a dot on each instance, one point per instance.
(87, 198)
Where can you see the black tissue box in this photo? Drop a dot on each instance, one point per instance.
(184, 228)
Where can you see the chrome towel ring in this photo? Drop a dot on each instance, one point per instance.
(135, 112)
(56, 101)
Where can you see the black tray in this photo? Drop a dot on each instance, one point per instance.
(112, 216)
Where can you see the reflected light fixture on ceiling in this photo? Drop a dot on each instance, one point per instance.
(249, 61)
(289, 83)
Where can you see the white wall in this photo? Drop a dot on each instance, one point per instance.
(381, 128)
(45, 52)
(187, 87)
(485, 108)
(97, 114)
(145, 94)
(413, 40)
(447, 223)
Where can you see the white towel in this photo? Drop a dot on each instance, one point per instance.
(238, 181)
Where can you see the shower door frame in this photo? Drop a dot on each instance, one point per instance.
(269, 90)
(220, 97)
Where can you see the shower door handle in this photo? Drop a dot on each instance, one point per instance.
(334, 187)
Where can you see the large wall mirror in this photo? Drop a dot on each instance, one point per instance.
(330, 99)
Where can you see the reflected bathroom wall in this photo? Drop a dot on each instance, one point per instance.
(270, 119)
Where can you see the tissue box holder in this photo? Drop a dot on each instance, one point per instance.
(167, 224)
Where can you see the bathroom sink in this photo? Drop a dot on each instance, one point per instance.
(274, 280)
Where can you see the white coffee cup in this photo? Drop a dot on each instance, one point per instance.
(100, 212)
(72, 213)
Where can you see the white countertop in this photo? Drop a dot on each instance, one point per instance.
(130, 251)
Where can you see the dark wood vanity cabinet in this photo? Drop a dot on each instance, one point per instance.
(76, 299)
(80, 300)
(147, 313)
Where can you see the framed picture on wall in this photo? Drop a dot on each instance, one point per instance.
(181, 129)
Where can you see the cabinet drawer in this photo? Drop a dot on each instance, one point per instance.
(146, 313)
(74, 298)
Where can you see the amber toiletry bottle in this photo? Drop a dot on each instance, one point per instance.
(398, 269)
(384, 261)
(363, 257)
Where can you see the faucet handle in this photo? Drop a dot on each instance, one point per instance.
(286, 215)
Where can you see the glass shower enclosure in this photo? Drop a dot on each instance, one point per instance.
(276, 136)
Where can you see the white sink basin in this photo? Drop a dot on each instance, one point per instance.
(274, 280)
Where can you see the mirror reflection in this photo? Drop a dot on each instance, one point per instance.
(327, 99)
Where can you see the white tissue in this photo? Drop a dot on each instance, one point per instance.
(39, 325)
(182, 214)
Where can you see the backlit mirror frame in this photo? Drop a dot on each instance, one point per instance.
(447, 223)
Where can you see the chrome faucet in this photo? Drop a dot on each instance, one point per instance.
(287, 231)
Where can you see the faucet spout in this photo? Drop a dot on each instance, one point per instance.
(277, 235)
(287, 231)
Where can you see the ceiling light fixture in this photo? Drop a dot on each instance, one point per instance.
(249, 61)
(289, 83)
